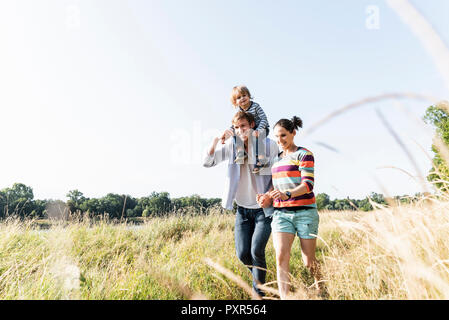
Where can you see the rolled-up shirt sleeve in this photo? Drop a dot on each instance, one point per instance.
(222, 153)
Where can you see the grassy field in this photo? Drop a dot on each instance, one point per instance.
(396, 253)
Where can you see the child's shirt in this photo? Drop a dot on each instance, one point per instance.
(259, 116)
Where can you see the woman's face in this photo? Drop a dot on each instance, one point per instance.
(284, 138)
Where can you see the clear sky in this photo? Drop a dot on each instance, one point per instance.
(124, 96)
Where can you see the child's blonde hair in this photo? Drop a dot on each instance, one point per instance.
(239, 90)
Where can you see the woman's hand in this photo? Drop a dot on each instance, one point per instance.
(276, 194)
(264, 200)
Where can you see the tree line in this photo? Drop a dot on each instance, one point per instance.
(324, 202)
(19, 201)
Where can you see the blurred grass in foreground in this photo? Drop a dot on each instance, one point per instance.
(392, 253)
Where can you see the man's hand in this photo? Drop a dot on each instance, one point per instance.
(225, 136)
(264, 200)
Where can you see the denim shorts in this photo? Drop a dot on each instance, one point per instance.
(302, 222)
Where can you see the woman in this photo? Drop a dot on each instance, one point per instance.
(294, 204)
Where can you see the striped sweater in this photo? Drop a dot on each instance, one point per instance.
(260, 117)
(289, 172)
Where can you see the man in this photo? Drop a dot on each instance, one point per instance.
(250, 192)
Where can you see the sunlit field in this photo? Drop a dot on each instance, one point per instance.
(391, 253)
(400, 251)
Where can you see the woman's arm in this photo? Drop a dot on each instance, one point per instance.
(296, 192)
(306, 166)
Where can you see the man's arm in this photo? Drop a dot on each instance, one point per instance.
(216, 155)
(295, 192)
(213, 146)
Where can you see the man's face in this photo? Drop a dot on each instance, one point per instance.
(243, 129)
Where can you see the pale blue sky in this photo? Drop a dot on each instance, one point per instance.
(123, 96)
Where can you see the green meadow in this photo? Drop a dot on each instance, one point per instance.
(398, 252)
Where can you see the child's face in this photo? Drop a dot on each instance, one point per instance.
(242, 100)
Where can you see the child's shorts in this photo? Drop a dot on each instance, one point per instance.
(302, 222)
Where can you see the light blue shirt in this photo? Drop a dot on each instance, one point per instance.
(262, 179)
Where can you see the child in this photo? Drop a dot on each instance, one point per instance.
(241, 98)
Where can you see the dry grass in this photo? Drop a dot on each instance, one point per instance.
(391, 253)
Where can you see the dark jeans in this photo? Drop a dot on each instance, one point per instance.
(252, 231)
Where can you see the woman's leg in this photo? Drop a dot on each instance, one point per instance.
(308, 247)
(282, 242)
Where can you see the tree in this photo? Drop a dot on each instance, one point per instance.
(116, 205)
(76, 197)
(146, 212)
(365, 205)
(438, 116)
(3, 204)
(159, 203)
(17, 200)
(322, 200)
(378, 198)
(39, 210)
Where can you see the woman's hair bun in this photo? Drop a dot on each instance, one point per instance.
(290, 125)
(297, 122)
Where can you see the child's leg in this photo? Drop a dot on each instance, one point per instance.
(261, 157)
(239, 150)
(257, 150)
(257, 165)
